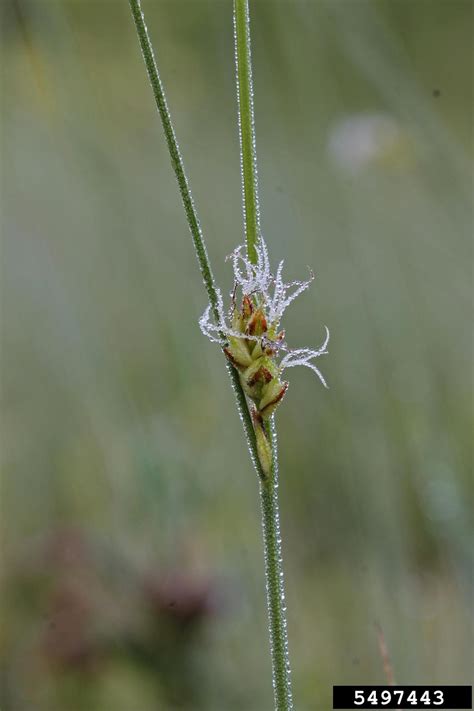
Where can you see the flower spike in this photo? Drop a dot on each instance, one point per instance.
(250, 337)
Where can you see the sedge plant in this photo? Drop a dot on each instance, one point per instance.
(248, 330)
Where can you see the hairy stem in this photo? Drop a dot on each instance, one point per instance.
(191, 213)
(248, 154)
(275, 582)
(269, 485)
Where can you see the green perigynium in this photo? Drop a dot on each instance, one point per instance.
(252, 341)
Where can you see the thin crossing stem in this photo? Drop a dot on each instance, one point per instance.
(191, 213)
(175, 154)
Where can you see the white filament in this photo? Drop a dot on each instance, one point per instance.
(274, 295)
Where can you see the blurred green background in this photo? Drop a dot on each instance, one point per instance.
(132, 558)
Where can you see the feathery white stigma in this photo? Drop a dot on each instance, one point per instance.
(272, 295)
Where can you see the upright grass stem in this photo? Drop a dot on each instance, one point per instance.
(269, 486)
(248, 153)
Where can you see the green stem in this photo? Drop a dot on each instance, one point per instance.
(175, 155)
(191, 214)
(269, 485)
(248, 154)
(275, 582)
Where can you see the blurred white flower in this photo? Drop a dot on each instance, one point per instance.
(363, 140)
